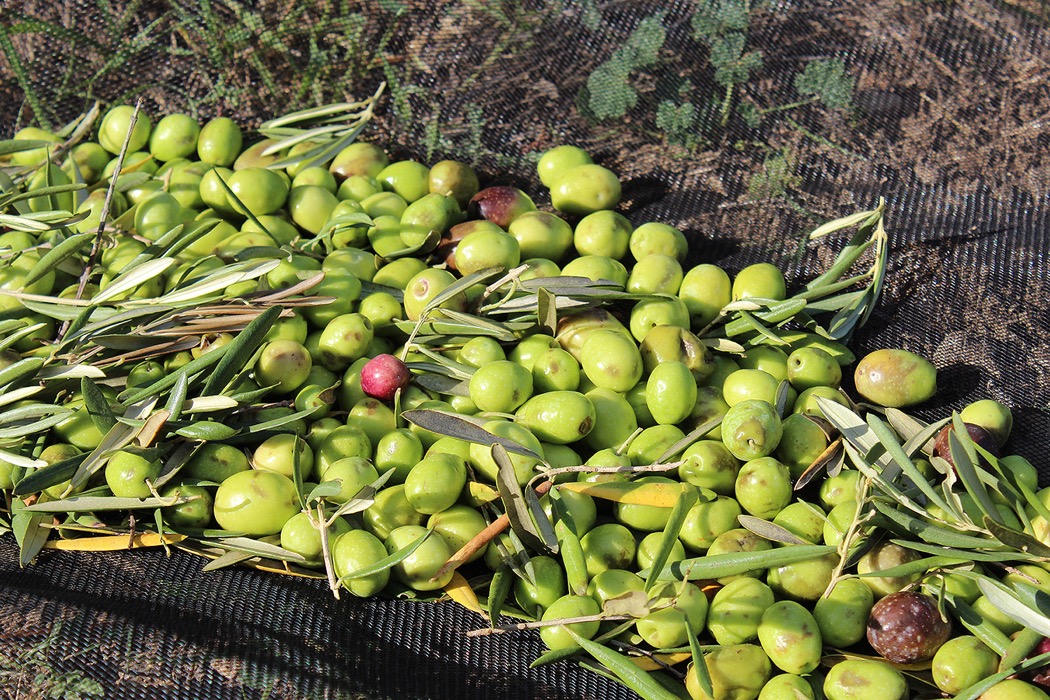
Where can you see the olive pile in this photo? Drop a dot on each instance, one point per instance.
(383, 371)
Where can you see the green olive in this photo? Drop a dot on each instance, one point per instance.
(357, 550)
(751, 429)
(759, 281)
(895, 378)
(256, 503)
(556, 161)
(584, 189)
(219, 142)
(407, 178)
(566, 607)
(115, 125)
(175, 136)
(130, 475)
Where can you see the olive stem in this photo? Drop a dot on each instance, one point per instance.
(326, 551)
(96, 244)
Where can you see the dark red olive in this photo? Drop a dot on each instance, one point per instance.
(500, 204)
(906, 627)
(383, 375)
(978, 434)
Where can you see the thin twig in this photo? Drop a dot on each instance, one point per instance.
(96, 245)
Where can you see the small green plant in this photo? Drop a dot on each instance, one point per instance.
(723, 26)
(775, 178)
(609, 93)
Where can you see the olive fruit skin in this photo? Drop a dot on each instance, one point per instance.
(453, 179)
(608, 546)
(549, 587)
(787, 686)
(541, 234)
(906, 627)
(759, 281)
(257, 503)
(500, 204)
(435, 483)
(585, 189)
(886, 555)
(942, 445)
(736, 611)
(763, 487)
(991, 415)
(559, 417)
(614, 419)
(114, 129)
(353, 551)
(419, 567)
(128, 474)
(558, 636)
(842, 615)
(383, 375)
(1013, 689)
(705, 289)
(500, 386)
(895, 378)
(670, 393)
(751, 429)
(556, 161)
(611, 360)
(738, 671)
(864, 679)
(195, 513)
(603, 233)
(809, 366)
(961, 662)
(790, 637)
(684, 615)
(710, 465)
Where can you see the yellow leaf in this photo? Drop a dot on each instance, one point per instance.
(114, 543)
(635, 493)
(657, 662)
(151, 428)
(460, 591)
(482, 493)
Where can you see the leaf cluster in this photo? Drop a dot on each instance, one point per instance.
(829, 81)
(609, 93)
(723, 25)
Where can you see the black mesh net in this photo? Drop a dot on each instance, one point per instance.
(743, 124)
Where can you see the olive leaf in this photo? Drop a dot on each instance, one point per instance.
(499, 588)
(454, 425)
(514, 500)
(736, 563)
(240, 349)
(389, 561)
(626, 670)
(769, 531)
(688, 498)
